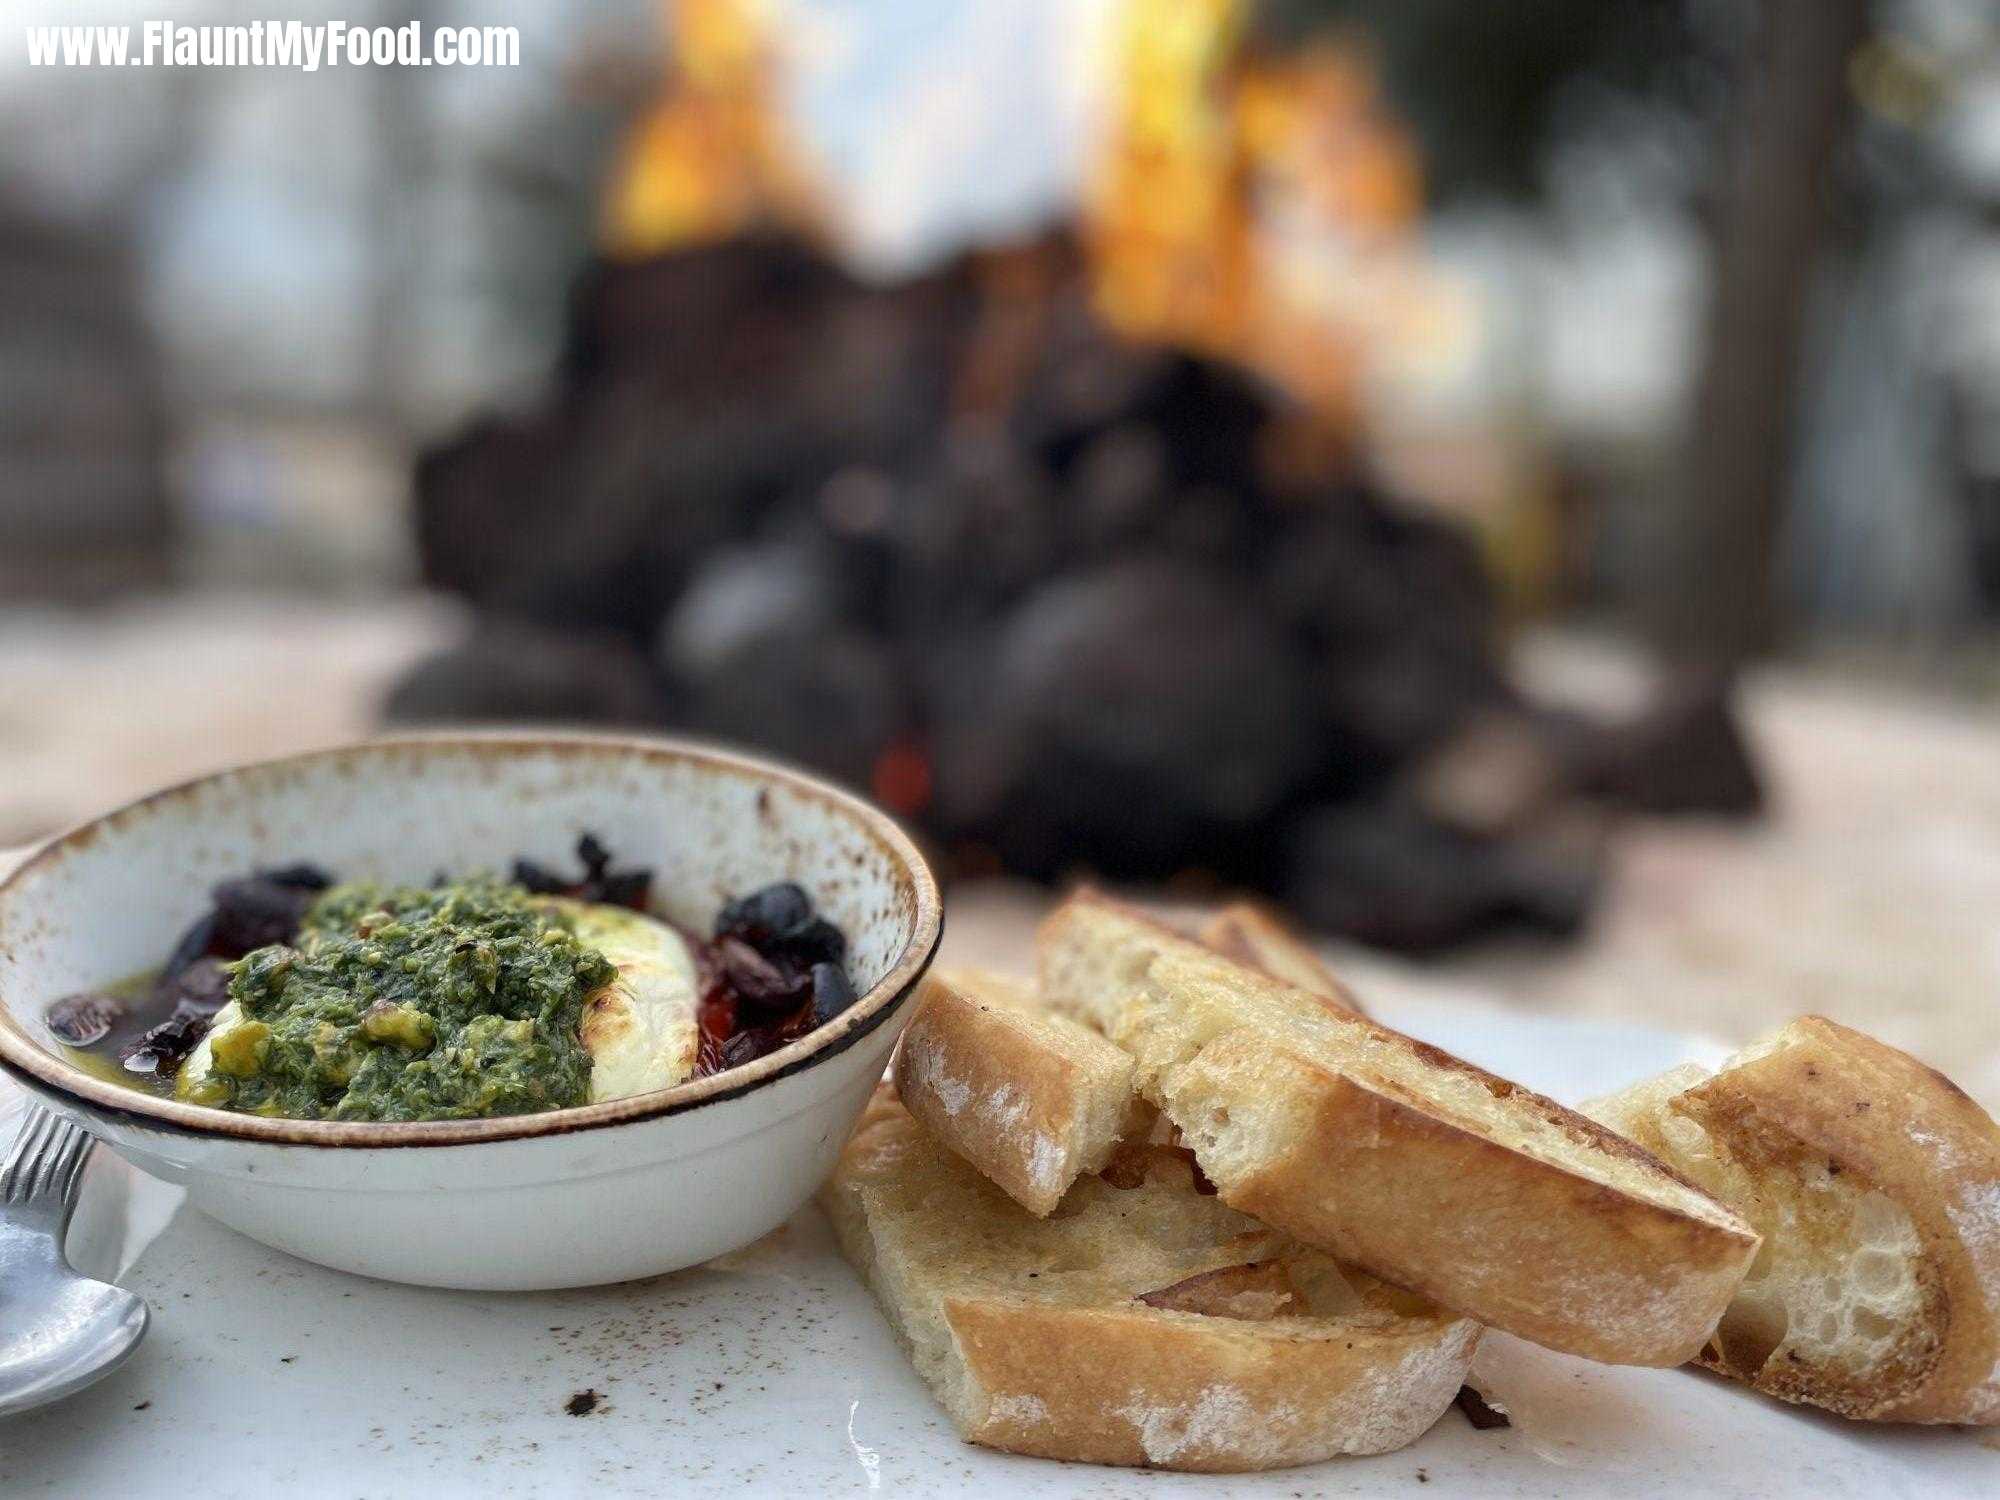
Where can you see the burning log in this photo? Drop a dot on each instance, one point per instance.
(1051, 599)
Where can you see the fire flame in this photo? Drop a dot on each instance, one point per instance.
(1167, 220)
(1260, 208)
(711, 157)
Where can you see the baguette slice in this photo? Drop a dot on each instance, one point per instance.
(1035, 1099)
(1400, 1158)
(1876, 1186)
(1031, 1098)
(1249, 934)
(1144, 1325)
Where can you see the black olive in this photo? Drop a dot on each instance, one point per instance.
(203, 984)
(539, 879)
(255, 913)
(625, 888)
(763, 915)
(832, 992)
(759, 984)
(83, 1019)
(194, 943)
(816, 941)
(167, 1045)
(595, 857)
(600, 883)
(298, 877)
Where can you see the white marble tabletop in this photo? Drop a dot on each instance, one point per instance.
(771, 1372)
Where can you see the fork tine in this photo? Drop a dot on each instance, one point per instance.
(22, 1154)
(20, 1151)
(45, 1160)
(66, 1160)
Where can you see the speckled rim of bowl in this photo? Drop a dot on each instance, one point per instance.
(21, 1056)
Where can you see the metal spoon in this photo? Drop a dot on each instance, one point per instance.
(59, 1331)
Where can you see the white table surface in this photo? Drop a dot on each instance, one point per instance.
(770, 1372)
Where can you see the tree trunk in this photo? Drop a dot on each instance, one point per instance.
(1770, 213)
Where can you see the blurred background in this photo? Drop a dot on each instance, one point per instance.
(1517, 485)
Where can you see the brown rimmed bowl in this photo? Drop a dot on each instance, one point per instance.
(572, 1197)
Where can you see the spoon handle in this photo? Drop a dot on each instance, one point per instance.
(38, 1181)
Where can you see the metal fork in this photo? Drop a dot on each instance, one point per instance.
(59, 1331)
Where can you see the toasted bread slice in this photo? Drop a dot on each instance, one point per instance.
(1398, 1157)
(1876, 1186)
(1144, 1325)
(1249, 934)
(1031, 1098)
(1035, 1099)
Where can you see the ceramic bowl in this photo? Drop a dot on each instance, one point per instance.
(572, 1197)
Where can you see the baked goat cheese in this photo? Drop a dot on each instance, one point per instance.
(451, 1003)
(640, 1029)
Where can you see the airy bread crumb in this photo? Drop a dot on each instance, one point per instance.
(1876, 1186)
(1398, 1157)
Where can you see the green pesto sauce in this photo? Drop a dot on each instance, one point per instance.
(453, 1003)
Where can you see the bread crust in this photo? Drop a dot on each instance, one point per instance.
(1153, 1389)
(1823, 1097)
(1396, 1179)
(1030, 1110)
(1116, 1381)
(1251, 935)
(1034, 1099)
(1446, 1211)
